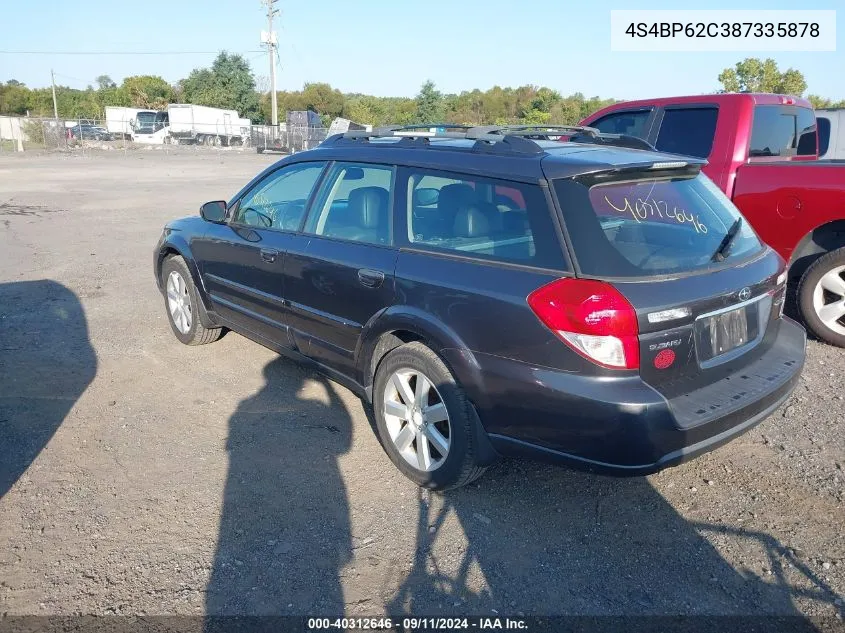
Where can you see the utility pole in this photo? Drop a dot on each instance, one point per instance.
(271, 49)
(55, 105)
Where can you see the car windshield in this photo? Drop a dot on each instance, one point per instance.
(640, 225)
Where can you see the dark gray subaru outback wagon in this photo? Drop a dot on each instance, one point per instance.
(494, 291)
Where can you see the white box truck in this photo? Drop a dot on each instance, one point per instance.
(121, 122)
(206, 126)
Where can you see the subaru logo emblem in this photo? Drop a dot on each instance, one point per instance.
(744, 294)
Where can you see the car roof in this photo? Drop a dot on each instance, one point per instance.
(555, 159)
(757, 98)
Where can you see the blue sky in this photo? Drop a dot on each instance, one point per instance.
(382, 47)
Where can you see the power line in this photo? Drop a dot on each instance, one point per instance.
(118, 52)
(273, 51)
(84, 81)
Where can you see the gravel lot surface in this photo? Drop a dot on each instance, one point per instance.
(140, 476)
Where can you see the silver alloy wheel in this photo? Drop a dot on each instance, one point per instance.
(179, 302)
(829, 299)
(417, 420)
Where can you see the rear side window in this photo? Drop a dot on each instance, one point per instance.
(640, 225)
(480, 217)
(783, 131)
(824, 134)
(688, 131)
(631, 123)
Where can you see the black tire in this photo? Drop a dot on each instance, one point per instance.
(460, 466)
(259, 150)
(806, 290)
(197, 333)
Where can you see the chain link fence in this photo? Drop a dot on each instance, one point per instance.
(286, 138)
(29, 133)
(128, 134)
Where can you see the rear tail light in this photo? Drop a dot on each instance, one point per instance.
(593, 318)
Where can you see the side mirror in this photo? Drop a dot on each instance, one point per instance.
(214, 211)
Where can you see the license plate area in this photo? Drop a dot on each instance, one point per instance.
(722, 335)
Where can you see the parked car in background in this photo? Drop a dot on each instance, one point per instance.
(491, 293)
(831, 133)
(762, 151)
(87, 131)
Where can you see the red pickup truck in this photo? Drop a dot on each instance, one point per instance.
(762, 151)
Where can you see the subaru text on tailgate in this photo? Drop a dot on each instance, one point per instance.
(492, 292)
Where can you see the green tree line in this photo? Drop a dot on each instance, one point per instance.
(526, 104)
(229, 83)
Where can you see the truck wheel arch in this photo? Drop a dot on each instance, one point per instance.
(823, 239)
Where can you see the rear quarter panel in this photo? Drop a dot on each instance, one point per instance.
(786, 201)
(476, 316)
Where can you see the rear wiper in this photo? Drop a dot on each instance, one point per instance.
(719, 255)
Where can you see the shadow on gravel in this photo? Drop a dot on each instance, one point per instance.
(285, 531)
(541, 540)
(550, 541)
(46, 363)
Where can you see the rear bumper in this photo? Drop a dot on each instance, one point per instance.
(623, 426)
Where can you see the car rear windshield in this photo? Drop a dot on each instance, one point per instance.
(640, 224)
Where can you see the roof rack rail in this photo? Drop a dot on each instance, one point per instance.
(424, 126)
(492, 138)
(531, 130)
(615, 140)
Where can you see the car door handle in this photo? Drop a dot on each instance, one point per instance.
(370, 278)
(269, 255)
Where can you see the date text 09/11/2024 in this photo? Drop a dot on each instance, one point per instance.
(417, 624)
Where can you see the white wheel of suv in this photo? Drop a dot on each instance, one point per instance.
(424, 420)
(417, 419)
(183, 304)
(829, 299)
(821, 297)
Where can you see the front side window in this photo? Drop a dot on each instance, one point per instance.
(631, 123)
(688, 131)
(642, 225)
(278, 202)
(354, 204)
(480, 217)
(783, 131)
